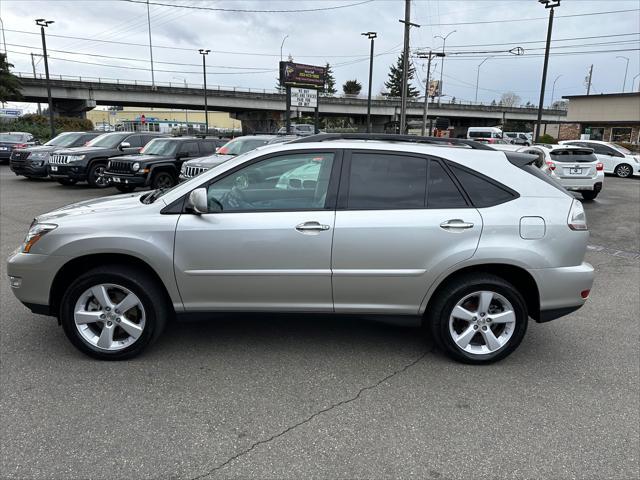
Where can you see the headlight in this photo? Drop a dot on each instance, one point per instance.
(183, 168)
(38, 156)
(75, 158)
(36, 232)
(135, 167)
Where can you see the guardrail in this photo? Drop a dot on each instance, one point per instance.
(222, 88)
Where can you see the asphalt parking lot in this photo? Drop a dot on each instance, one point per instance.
(296, 397)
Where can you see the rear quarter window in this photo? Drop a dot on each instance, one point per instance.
(483, 191)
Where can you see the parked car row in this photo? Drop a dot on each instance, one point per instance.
(10, 141)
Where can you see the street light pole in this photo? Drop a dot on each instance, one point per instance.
(444, 41)
(634, 81)
(204, 53)
(4, 40)
(553, 89)
(405, 64)
(425, 108)
(372, 36)
(550, 4)
(282, 45)
(153, 81)
(42, 23)
(626, 69)
(186, 111)
(478, 77)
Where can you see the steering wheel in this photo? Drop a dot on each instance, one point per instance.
(235, 199)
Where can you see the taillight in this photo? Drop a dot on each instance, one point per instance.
(551, 165)
(20, 145)
(585, 293)
(599, 166)
(577, 219)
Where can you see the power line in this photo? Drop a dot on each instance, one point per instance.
(240, 10)
(529, 19)
(542, 41)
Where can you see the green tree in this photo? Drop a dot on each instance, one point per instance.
(394, 84)
(330, 81)
(352, 87)
(9, 83)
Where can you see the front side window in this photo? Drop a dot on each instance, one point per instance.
(296, 181)
(383, 181)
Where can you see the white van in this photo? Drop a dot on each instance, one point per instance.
(485, 134)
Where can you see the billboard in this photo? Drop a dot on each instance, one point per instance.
(434, 88)
(304, 97)
(10, 112)
(299, 75)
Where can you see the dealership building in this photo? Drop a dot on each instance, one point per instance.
(612, 117)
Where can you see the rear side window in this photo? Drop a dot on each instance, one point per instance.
(441, 191)
(382, 181)
(482, 191)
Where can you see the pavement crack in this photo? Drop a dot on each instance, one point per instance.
(254, 445)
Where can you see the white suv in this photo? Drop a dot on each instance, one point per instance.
(615, 158)
(575, 168)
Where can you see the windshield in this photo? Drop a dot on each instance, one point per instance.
(241, 145)
(160, 147)
(64, 140)
(108, 140)
(620, 148)
(12, 137)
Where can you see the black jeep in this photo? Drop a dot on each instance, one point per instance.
(89, 162)
(158, 164)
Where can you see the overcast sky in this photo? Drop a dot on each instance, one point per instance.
(252, 41)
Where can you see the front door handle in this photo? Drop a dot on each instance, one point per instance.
(312, 227)
(456, 224)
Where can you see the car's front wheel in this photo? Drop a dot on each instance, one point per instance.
(162, 180)
(623, 170)
(478, 318)
(113, 313)
(96, 176)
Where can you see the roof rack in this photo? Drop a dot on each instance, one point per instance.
(390, 137)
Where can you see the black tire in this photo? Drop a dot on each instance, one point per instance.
(156, 305)
(623, 170)
(125, 188)
(437, 318)
(162, 180)
(67, 182)
(96, 178)
(589, 194)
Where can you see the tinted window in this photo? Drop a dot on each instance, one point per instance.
(289, 182)
(441, 191)
(134, 140)
(208, 146)
(384, 181)
(600, 149)
(482, 191)
(190, 148)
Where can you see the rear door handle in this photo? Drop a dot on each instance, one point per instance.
(312, 227)
(455, 224)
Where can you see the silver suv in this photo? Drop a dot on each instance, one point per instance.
(468, 241)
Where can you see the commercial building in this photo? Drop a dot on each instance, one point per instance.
(612, 117)
(162, 120)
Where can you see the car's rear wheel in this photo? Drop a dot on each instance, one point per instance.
(478, 318)
(163, 180)
(66, 181)
(96, 176)
(125, 188)
(589, 194)
(623, 170)
(113, 313)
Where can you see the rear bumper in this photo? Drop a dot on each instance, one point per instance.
(594, 183)
(561, 289)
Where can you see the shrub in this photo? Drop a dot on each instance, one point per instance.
(546, 138)
(38, 125)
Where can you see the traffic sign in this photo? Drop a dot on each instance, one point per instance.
(304, 97)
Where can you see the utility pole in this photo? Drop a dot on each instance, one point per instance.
(550, 4)
(425, 109)
(405, 64)
(589, 79)
(204, 54)
(42, 23)
(33, 65)
(4, 40)
(153, 81)
(371, 36)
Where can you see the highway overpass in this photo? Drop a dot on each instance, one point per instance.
(259, 108)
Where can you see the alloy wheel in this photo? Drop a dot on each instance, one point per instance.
(100, 180)
(109, 317)
(623, 171)
(482, 322)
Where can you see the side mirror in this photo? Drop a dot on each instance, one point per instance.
(124, 145)
(197, 201)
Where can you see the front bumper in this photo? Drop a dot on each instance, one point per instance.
(126, 179)
(29, 169)
(75, 172)
(36, 274)
(5, 154)
(561, 289)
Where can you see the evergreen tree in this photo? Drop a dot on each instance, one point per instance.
(330, 81)
(9, 83)
(394, 84)
(352, 87)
